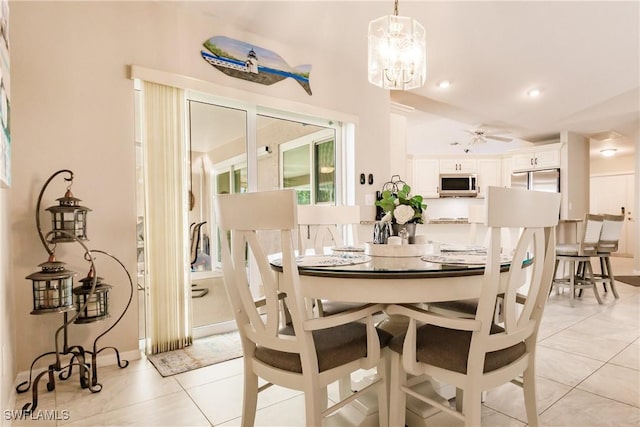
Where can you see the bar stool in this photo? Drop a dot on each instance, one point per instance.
(608, 243)
(579, 255)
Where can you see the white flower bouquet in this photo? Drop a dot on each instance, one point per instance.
(401, 208)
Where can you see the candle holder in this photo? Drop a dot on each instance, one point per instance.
(96, 304)
(53, 292)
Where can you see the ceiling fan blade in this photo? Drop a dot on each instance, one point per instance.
(493, 128)
(499, 138)
(497, 132)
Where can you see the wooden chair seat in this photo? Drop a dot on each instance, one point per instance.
(462, 307)
(329, 308)
(570, 249)
(449, 348)
(334, 347)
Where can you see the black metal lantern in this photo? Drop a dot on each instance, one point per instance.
(68, 218)
(52, 287)
(92, 306)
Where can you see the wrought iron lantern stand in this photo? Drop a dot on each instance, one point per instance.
(53, 292)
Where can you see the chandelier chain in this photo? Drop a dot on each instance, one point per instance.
(395, 8)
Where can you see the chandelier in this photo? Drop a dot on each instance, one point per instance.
(397, 52)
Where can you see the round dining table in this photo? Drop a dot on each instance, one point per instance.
(360, 278)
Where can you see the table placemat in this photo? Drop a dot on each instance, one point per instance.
(331, 260)
(462, 259)
(455, 247)
(348, 249)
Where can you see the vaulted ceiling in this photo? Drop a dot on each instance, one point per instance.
(584, 56)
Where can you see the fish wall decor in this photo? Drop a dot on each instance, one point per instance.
(242, 60)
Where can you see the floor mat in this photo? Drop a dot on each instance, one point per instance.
(203, 352)
(629, 280)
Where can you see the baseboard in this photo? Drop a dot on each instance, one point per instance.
(102, 361)
(218, 328)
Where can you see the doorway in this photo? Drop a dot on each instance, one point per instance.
(249, 161)
(621, 201)
(220, 134)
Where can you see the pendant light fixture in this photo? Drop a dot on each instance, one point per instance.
(397, 52)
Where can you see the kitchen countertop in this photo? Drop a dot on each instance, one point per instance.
(448, 221)
(433, 221)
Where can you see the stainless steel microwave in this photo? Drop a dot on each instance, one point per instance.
(458, 185)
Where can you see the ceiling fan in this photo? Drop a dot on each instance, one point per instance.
(480, 135)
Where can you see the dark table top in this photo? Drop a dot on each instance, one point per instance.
(376, 267)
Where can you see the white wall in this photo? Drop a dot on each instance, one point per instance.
(574, 181)
(72, 107)
(612, 165)
(636, 257)
(7, 318)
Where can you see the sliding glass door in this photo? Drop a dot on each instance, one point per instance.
(235, 147)
(218, 165)
(239, 148)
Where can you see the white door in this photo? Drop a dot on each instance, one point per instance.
(613, 194)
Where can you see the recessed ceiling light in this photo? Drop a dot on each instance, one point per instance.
(608, 152)
(534, 93)
(444, 84)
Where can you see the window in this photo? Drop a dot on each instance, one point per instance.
(296, 172)
(325, 171)
(308, 164)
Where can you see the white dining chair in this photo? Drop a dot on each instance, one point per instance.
(322, 226)
(325, 226)
(577, 256)
(310, 352)
(478, 354)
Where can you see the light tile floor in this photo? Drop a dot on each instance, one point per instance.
(588, 369)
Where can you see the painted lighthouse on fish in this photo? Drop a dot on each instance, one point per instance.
(252, 62)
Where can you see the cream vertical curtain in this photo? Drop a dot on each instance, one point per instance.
(166, 221)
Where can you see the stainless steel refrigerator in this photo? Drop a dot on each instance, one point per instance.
(538, 180)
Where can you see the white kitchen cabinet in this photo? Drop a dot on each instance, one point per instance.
(426, 178)
(507, 169)
(489, 174)
(458, 166)
(540, 158)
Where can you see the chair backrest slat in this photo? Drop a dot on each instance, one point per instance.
(590, 234)
(321, 225)
(248, 273)
(611, 232)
